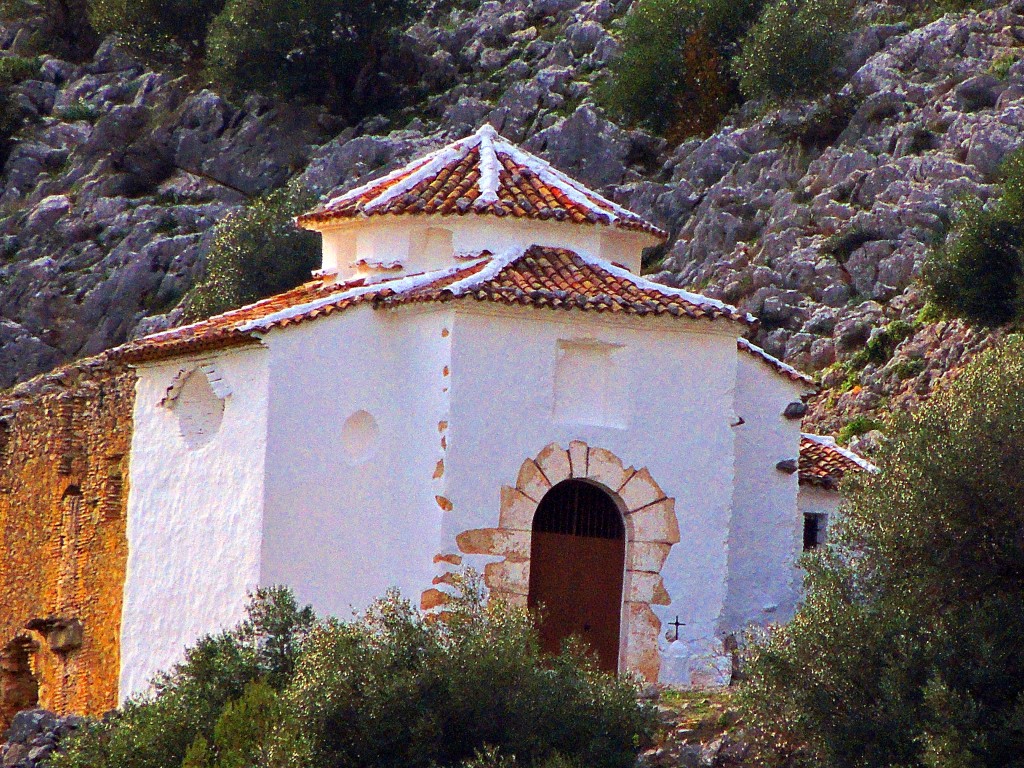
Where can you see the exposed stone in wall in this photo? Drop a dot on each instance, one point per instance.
(64, 444)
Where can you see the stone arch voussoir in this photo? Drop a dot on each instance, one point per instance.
(651, 530)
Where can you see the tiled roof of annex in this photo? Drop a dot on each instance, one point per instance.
(823, 462)
(554, 278)
(480, 174)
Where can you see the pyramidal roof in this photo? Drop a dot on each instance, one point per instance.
(480, 174)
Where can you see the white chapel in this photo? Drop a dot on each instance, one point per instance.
(477, 377)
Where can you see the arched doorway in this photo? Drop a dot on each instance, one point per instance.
(652, 529)
(577, 560)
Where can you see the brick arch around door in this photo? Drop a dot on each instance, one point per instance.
(651, 528)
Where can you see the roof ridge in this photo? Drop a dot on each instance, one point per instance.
(495, 266)
(587, 197)
(490, 169)
(788, 370)
(397, 285)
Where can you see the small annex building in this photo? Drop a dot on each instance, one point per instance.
(477, 377)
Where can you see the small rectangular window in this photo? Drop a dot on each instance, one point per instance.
(814, 531)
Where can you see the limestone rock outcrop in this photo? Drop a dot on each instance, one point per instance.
(816, 216)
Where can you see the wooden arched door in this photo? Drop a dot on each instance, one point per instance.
(577, 560)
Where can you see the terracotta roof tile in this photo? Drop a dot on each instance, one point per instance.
(481, 174)
(554, 278)
(824, 463)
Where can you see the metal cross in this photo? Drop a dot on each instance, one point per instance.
(677, 624)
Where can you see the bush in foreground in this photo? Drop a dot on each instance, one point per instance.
(909, 648)
(397, 690)
(157, 731)
(388, 689)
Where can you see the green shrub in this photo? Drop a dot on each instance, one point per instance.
(157, 730)
(257, 252)
(79, 110)
(909, 648)
(673, 74)
(793, 48)
(909, 368)
(978, 272)
(11, 119)
(1001, 65)
(855, 427)
(391, 688)
(328, 52)
(15, 69)
(398, 691)
(157, 28)
(882, 345)
(257, 729)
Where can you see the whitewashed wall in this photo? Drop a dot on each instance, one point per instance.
(813, 499)
(194, 513)
(765, 537)
(350, 513)
(670, 395)
(354, 448)
(406, 242)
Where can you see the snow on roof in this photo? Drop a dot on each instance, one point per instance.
(786, 370)
(481, 174)
(539, 276)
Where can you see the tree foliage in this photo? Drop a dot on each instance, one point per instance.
(258, 729)
(325, 52)
(673, 73)
(793, 48)
(60, 27)
(909, 648)
(398, 691)
(390, 688)
(157, 28)
(257, 252)
(339, 54)
(157, 730)
(978, 273)
(685, 63)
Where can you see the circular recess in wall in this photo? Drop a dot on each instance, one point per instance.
(359, 436)
(199, 410)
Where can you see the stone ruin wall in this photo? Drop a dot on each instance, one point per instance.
(64, 446)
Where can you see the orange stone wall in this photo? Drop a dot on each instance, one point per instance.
(64, 444)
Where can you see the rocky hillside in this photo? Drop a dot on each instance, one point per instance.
(815, 217)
